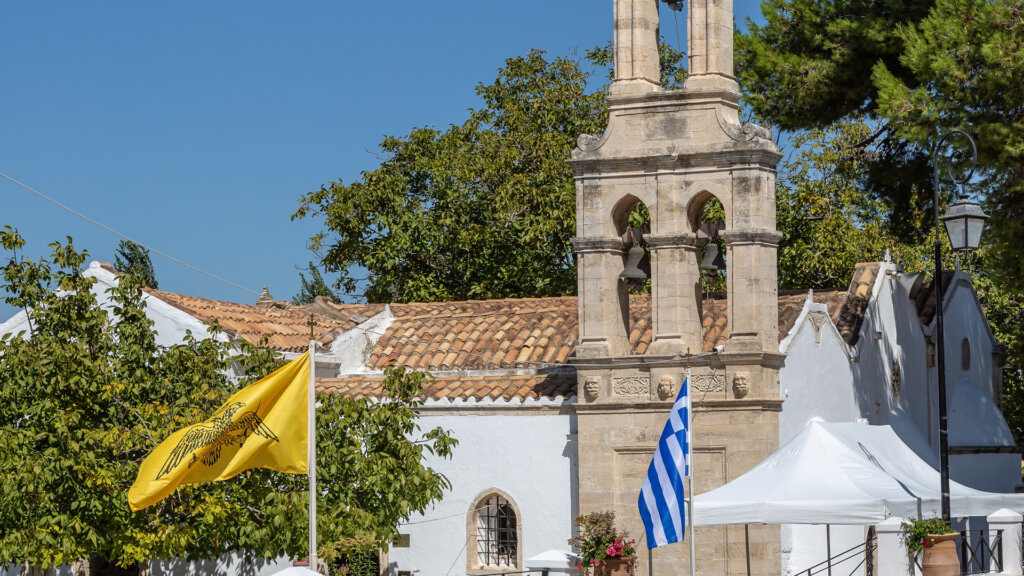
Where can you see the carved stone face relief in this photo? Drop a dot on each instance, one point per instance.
(666, 387)
(740, 384)
(590, 389)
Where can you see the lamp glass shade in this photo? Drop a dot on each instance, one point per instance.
(956, 229)
(965, 221)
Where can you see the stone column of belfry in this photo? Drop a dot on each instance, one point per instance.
(709, 45)
(601, 325)
(675, 287)
(752, 247)
(673, 150)
(637, 67)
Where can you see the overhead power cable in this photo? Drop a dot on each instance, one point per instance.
(115, 232)
(499, 360)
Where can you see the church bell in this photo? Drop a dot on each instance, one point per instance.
(712, 261)
(638, 263)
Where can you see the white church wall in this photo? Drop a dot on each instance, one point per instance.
(815, 380)
(170, 323)
(529, 455)
(824, 378)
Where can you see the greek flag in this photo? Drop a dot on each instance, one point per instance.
(661, 500)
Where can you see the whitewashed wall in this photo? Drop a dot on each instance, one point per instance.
(823, 377)
(169, 323)
(530, 455)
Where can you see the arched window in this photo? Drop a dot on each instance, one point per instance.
(494, 534)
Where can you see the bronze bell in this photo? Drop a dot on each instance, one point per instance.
(638, 264)
(712, 261)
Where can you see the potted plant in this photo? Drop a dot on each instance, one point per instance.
(937, 540)
(603, 547)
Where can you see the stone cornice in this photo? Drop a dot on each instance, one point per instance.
(584, 244)
(768, 404)
(647, 361)
(743, 237)
(591, 165)
(671, 240)
(766, 359)
(677, 98)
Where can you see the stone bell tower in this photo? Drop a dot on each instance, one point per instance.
(673, 151)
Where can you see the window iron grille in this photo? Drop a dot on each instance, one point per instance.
(496, 539)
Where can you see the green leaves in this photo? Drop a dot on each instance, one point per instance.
(480, 210)
(829, 223)
(134, 259)
(88, 393)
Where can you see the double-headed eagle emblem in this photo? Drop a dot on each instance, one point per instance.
(204, 441)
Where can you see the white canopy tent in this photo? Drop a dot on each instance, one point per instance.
(841, 473)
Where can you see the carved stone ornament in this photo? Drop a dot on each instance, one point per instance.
(631, 386)
(740, 384)
(666, 387)
(591, 388)
(707, 383)
(817, 320)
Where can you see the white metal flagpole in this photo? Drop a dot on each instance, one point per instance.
(311, 450)
(689, 479)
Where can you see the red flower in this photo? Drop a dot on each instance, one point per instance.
(926, 544)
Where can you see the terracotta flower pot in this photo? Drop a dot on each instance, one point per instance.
(940, 558)
(615, 567)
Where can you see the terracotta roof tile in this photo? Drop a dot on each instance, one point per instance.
(851, 316)
(924, 300)
(286, 327)
(500, 334)
(521, 387)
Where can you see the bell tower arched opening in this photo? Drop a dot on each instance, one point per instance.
(685, 155)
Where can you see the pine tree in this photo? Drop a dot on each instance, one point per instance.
(134, 259)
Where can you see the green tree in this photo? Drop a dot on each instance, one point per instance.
(484, 209)
(134, 259)
(912, 70)
(87, 393)
(828, 223)
(313, 287)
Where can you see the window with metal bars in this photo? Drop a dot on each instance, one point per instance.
(496, 539)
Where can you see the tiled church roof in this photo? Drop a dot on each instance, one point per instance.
(286, 328)
(516, 387)
(489, 334)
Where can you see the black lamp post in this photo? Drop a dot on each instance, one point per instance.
(964, 222)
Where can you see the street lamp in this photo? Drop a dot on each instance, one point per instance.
(964, 222)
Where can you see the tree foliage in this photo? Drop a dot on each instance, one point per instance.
(484, 209)
(480, 210)
(911, 70)
(87, 393)
(134, 259)
(313, 287)
(828, 223)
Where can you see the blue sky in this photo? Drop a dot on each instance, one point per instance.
(194, 127)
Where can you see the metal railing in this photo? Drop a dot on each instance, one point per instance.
(979, 552)
(840, 562)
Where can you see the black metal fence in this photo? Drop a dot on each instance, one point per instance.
(980, 551)
(848, 561)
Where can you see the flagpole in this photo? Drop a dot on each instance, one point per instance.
(311, 452)
(693, 466)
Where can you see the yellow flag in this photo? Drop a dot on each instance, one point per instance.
(263, 425)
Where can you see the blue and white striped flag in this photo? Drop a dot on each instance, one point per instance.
(661, 500)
